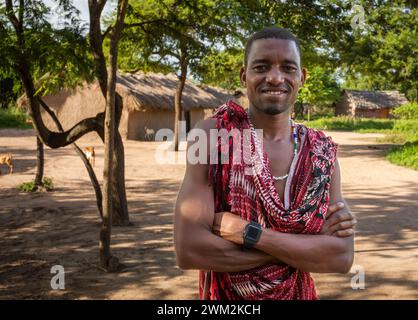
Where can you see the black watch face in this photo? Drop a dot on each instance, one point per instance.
(252, 232)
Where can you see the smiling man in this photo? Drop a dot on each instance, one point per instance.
(256, 229)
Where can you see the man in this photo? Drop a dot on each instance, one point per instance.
(256, 230)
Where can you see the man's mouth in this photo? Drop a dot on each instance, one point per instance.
(275, 92)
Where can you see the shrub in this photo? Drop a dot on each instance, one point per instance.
(406, 111)
(406, 155)
(13, 117)
(47, 184)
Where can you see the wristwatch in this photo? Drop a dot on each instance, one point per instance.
(251, 235)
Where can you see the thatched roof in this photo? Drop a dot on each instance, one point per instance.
(148, 92)
(156, 91)
(372, 100)
(143, 92)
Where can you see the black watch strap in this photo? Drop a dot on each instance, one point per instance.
(252, 234)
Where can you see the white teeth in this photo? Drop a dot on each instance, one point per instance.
(275, 92)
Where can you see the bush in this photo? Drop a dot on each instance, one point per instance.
(13, 117)
(407, 111)
(47, 184)
(410, 125)
(406, 155)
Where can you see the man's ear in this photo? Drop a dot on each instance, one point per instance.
(243, 77)
(303, 76)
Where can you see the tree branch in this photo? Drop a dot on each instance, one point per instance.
(83, 157)
(21, 12)
(96, 42)
(140, 24)
(11, 15)
(109, 28)
(101, 5)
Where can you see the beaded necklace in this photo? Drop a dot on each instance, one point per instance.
(295, 150)
(295, 145)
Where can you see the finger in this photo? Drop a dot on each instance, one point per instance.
(334, 208)
(343, 225)
(340, 217)
(344, 233)
(326, 232)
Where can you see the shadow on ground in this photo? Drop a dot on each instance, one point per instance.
(32, 240)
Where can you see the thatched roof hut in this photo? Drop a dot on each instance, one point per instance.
(148, 103)
(156, 91)
(369, 104)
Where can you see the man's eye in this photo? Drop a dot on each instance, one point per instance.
(260, 68)
(289, 69)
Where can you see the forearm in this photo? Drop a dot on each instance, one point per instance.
(312, 253)
(210, 252)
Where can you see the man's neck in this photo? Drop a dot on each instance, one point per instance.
(275, 127)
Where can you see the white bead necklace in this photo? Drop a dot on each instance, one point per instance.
(295, 150)
(295, 146)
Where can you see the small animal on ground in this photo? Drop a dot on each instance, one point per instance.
(149, 133)
(90, 155)
(7, 159)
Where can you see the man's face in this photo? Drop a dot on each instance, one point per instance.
(273, 75)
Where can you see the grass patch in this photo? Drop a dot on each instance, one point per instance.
(47, 184)
(405, 155)
(403, 132)
(346, 123)
(13, 117)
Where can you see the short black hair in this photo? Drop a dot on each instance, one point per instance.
(271, 33)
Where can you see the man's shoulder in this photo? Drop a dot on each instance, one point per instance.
(226, 112)
(320, 143)
(206, 124)
(314, 133)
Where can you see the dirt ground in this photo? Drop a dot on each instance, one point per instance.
(40, 230)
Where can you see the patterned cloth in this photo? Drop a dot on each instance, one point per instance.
(248, 190)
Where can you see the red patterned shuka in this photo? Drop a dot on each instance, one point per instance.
(246, 188)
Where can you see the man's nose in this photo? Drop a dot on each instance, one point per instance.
(274, 76)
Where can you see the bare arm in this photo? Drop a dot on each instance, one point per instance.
(197, 247)
(313, 253)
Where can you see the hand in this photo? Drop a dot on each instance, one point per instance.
(339, 221)
(229, 226)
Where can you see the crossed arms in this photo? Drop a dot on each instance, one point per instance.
(207, 240)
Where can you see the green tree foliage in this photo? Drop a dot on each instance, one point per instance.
(160, 32)
(221, 68)
(382, 55)
(321, 87)
(61, 51)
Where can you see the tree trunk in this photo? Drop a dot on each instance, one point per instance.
(120, 209)
(39, 162)
(177, 100)
(61, 139)
(90, 171)
(120, 205)
(107, 261)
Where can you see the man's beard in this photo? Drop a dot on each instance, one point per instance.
(272, 110)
